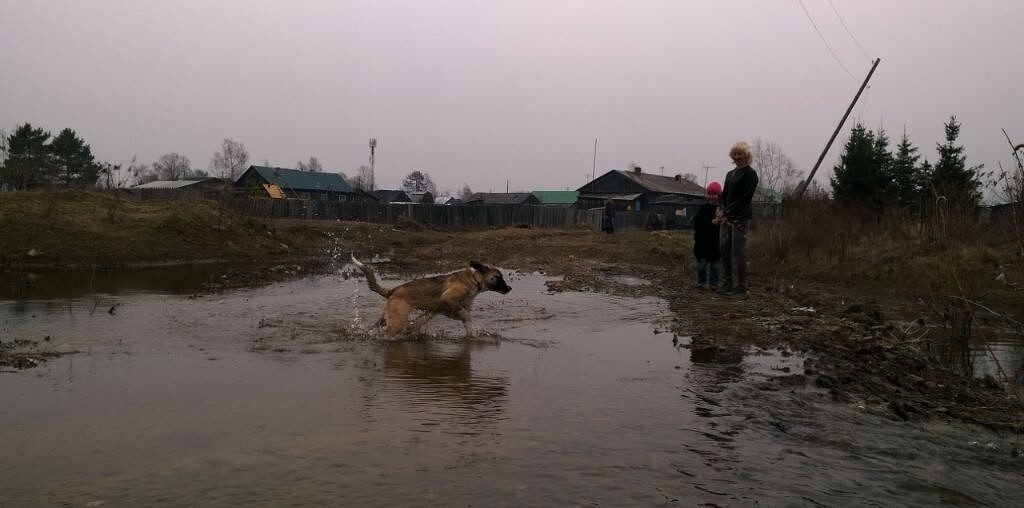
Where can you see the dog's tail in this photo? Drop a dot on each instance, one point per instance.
(371, 279)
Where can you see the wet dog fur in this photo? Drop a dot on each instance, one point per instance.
(451, 295)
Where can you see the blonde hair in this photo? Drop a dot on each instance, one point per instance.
(743, 148)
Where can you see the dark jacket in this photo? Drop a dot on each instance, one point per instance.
(608, 219)
(705, 233)
(740, 185)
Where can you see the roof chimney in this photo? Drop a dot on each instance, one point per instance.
(678, 178)
(636, 169)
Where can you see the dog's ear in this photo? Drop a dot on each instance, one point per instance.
(476, 265)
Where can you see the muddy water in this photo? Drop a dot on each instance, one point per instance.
(282, 395)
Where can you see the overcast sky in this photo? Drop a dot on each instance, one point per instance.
(488, 92)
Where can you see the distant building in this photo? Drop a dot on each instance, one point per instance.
(285, 183)
(502, 198)
(637, 191)
(190, 188)
(391, 196)
(766, 202)
(425, 197)
(557, 198)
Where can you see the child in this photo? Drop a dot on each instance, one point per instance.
(705, 239)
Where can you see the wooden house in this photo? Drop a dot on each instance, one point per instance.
(285, 183)
(637, 191)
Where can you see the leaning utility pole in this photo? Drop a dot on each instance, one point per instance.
(800, 190)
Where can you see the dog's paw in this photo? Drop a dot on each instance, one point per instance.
(484, 334)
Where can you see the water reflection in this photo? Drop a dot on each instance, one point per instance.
(998, 353)
(438, 383)
(184, 279)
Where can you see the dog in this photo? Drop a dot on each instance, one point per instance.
(451, 295)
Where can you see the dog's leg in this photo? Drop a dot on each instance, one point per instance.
(421, 322)
(396, 314)
(467, 321)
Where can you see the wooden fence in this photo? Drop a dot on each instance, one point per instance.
(439, 216)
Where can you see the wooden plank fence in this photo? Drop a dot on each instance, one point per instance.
(438, 216)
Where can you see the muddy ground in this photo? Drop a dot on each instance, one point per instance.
(867, 342)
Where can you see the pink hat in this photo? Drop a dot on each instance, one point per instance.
(714, 188)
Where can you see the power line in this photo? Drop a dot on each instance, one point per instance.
(834, 55)
(862, 50)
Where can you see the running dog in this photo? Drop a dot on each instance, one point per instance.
(451, 295)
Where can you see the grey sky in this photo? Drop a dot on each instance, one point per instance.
(481, 92)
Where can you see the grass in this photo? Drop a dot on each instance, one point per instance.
(89, 228)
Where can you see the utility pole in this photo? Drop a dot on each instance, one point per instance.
(593, 168)
(373, 148)
(800, 190)
(706, 168)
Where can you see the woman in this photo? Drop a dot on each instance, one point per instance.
(736, 198)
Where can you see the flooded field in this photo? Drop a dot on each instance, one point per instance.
(283, 395)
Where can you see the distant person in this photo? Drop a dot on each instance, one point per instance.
(737, 210)
(608, 220)
(706, 239)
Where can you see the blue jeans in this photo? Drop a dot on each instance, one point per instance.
(707, 272)
(733, 247)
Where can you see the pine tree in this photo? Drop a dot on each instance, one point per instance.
(881, 176)
(862, 175)
(923, 178)
(73, 160)
(904, 172)
(29, 161)
(951, 177)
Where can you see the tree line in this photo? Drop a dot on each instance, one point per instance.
(32, 158)
(870, 173)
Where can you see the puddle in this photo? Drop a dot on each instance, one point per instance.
(283, 395)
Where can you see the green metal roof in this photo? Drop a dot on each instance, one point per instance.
(293, 179)
(766, 195)
(556, 197)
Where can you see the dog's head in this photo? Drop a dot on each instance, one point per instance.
(491, 277)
